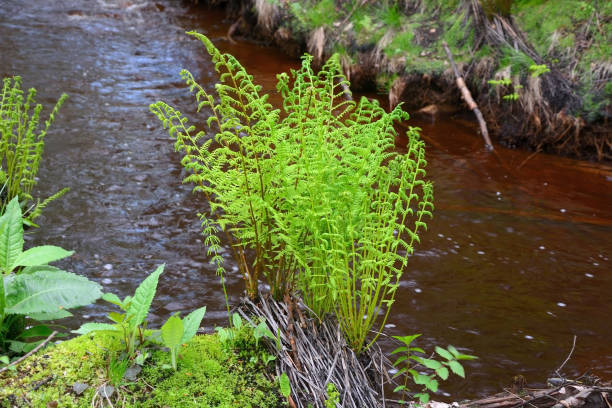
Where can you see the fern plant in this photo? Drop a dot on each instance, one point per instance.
(21, 146)
(314, 199)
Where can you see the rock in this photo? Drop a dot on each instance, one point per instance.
(106, 391)
(79, 388)
(131, 374)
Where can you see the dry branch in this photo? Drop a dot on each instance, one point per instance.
(467, 96)
(324, 358)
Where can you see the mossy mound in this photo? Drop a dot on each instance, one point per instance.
(208, 376)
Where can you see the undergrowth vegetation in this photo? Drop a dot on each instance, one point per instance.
(316, 193)
(210, 376)
(490, 40)
(21, 147)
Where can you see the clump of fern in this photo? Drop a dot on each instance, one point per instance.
(21, 147)
(315, 200)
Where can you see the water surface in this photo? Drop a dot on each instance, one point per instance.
(515, 262)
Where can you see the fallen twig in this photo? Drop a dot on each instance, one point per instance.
(467, 96)
(33, 351)
(567, 359)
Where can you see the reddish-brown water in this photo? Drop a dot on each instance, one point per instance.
(515, 263)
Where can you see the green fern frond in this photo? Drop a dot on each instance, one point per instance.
(318, 194)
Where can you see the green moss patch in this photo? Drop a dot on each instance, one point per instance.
(208, 376)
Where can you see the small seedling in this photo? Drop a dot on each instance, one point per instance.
(412, 362)
(131, 323)
(176, 332)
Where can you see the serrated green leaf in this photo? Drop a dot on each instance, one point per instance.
(407, 339)
(285, 386)
(399, 388)
(116, 317)
(400, 372)
(56, 315)
(466, 357)
(453, 351)
(442, 372)
(48, 292)
(41, 255)
(423, 397)
(432, 385)
(418, 378)
(36, 331)
(444, 353)
(400, 360)
(191, 323)
(236, 320)
(39, 268)
(456, 368)
(429, 363)
(399, 350)
(112, 298)
(172, 331)
(11, 235)
(143, 297)
(92, 327)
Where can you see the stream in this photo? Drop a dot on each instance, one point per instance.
(514, 264)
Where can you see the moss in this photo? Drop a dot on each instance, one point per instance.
(208, 376)
(314, 14)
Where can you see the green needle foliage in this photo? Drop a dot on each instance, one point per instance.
(314, 199)
(21, 146)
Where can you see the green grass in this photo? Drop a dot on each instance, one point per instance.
(314, 14)
(209, 376)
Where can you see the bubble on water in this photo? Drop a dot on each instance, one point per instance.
(389, 326)
(498, 193)
(108, 267)
(595, 264)
(551, 314)
(107, 281)
(563, 210)
(441, 235)
(561, 304)
(417, 290)
(542, 247)
(528, 337)
(589, 275)
(480, 252)
(393, 371)
(472, 244)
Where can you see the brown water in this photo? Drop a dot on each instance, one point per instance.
(515, 263)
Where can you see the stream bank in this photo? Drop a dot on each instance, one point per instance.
(549, 61)
(531, 246)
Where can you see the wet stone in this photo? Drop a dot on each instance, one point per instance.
(79, 388)
(131, 374)
(106, 391)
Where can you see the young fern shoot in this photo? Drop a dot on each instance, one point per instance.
(317, 200)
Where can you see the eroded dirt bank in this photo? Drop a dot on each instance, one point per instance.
(549, 61)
